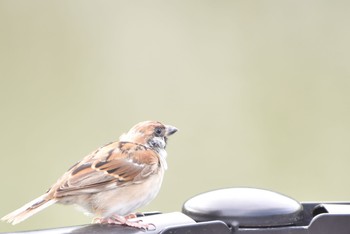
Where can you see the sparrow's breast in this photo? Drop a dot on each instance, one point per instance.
(126, 199)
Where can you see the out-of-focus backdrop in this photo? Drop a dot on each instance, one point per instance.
(260, 91)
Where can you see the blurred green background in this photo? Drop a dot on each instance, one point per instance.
(260, 91)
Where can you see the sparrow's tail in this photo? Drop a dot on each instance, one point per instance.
(28, 209)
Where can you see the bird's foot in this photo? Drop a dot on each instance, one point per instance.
(125, 220)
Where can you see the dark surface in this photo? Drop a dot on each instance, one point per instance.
(200, 228)
(249, 207)
(331, 219)
(313, 217)
(161, 221)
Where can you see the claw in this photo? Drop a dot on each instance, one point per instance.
(124, 220)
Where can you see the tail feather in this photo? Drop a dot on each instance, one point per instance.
(28, 210)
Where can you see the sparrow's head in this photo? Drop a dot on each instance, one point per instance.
(152, 134)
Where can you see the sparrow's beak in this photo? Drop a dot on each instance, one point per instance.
(170, 130)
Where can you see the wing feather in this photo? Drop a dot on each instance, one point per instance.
(113, 165)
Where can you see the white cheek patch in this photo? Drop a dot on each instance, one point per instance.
(158, 142)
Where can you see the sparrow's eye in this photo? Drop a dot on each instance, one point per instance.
(158, 132)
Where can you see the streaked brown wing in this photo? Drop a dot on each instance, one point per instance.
(114, 165)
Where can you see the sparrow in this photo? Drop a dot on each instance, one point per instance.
(112, 181)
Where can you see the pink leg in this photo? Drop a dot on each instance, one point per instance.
(108, 220)
(116, 219)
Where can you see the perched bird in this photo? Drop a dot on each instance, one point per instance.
(112, 181)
